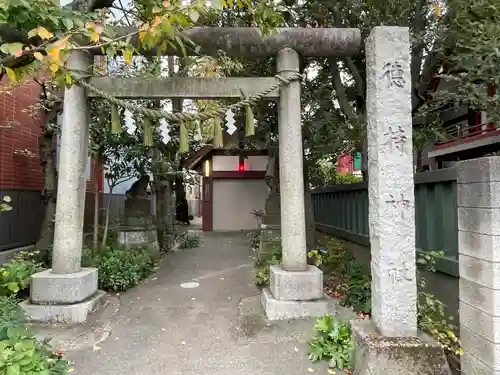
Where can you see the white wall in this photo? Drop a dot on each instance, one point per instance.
(225, 163)
(231, 163)
(256, 163)
(234, 201)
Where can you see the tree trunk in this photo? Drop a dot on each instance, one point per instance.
(310, 222)
(160, 188)
(49, 193)
(164, 212)
(181, 204)
(364, 154)
(106, 218)
(419, 155)
(95, 237)
(309, 211)
(168, 218)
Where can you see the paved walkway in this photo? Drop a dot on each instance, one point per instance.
(217, 328)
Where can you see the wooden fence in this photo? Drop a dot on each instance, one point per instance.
(342, 211)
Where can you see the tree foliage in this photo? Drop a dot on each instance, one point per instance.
(453, 39)
(39, 34)
(471, 59)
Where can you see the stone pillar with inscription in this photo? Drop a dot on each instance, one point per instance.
(392, 218)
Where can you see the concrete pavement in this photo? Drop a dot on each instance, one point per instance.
(216, 328)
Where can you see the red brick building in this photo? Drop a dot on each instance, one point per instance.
(21, 175)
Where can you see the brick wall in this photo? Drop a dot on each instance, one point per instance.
(19, 131)
(20, 127)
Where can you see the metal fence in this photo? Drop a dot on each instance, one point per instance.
(342, 210)
(21, 225)
(117, 206)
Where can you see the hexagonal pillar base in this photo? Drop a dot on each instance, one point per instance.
(63, 298)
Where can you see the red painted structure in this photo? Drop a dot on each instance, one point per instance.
(345, 164)
(475, 130)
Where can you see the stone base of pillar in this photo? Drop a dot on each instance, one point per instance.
(296, 285)
(470, 365)
(75, 313)
(67, 298)
(285, 310)
(296, 295)
(134, 236)
(54, 289)
(375, 354)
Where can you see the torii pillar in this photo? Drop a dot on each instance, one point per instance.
(67, 292)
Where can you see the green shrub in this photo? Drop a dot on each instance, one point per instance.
(11, 314)
(320, 257)
(355, 292)
(120, 269)
(347, 179)
(188, 241)
(261, 273)
(15, 276)
(20, 352)
(23, 354)
(111, 236)
(254, 238)
(332, 341)
(432, 318)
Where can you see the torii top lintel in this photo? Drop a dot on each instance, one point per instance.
(249, 42)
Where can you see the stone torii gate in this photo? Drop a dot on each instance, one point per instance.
(68, 292)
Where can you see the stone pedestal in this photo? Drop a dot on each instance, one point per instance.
(375, 354)
(285, 310)
(270, 229)
(63, 298)
(391, 343)
(76, 313)
(272, 210)
(138, 225)
(270, 241)
(51, 288)
(296, 294)
(296, 286)
(68, 293)
(138, 211)
(135, 236)
(478, 195)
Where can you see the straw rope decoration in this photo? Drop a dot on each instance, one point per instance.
(211, 114)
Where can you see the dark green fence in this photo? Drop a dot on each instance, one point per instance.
(342, 210)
